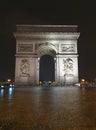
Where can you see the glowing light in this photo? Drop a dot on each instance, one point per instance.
(83, 80)
(11, 85)
(2, 86)
(2, 91)
(9, 80)
(10, 91)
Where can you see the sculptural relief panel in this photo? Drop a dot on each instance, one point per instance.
(24, 67)
(68, 67)
(46, 44)
(25, 48)
(37, 46)
(67, 48)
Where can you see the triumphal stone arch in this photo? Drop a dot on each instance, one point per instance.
(35, 41)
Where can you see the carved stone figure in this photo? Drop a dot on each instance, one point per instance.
(68, 67)
(24, 67)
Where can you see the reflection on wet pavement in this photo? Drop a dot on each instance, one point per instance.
(48, 108)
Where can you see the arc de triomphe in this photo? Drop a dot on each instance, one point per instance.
(35, 41)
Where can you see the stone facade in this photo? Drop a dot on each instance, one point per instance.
(34, 41)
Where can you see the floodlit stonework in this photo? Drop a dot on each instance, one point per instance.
(35, 41)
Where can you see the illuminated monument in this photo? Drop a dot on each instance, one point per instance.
(35, 41)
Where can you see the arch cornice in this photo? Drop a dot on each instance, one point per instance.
(46, 35)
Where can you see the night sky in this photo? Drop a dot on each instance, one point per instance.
(67, 12)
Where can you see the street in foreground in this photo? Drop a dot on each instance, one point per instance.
(48, 108)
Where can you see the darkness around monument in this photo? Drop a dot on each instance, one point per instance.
(71, 13)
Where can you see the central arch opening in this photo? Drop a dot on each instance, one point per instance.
(47, 68)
